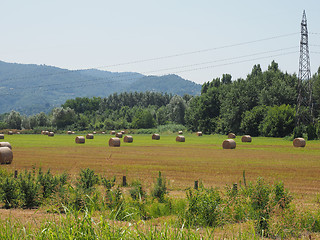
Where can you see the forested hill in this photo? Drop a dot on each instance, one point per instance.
(30, 88)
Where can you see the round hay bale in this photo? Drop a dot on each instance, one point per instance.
(46, 132)
(128, 139)
(246, 138)
(103, 132)
(231, 135)
(180, 132)
(6, 155)
(1, 136)
(122, 132)
(10, 133)
(69, 132)
(80, 139)
(89, 136)
(199, 134)
(113, 132)
(73, 132)
(119, 135)
(299, 142)
(50, 134)
(94, 132)
(180, 138)
(155, 136)
(5, 144)
(18, 133)
(229, 144)
(114, 142)
(42, 132)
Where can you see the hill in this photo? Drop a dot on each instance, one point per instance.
(30, 88)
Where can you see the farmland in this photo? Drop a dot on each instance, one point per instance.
(199, 158)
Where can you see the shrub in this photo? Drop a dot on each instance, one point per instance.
(203, 207)
(87, 180)
(160, 189)
(29, 188)
(9, 192)
(136, 192)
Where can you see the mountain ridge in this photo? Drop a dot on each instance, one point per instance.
(32, 88)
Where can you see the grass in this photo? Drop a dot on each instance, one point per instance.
(182, 163)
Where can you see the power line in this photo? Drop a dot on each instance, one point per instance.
(159, 58)
(159, 70)
(88, 83)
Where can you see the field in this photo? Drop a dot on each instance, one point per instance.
(199, 158)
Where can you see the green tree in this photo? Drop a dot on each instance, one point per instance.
(278, 122)
(63, 117)
(14, 120)
(143, 119)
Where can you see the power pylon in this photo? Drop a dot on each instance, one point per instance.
(304, 114)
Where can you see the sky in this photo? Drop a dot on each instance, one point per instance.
(197, 40)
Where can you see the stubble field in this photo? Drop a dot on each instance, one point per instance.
(199, 158)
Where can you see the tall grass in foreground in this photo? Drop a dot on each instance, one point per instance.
(71, 226)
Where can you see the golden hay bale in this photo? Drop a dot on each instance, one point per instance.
(246, 138)
(1, 136)
(42, 132)
(89, 136)
(69, 132)
(94, 132)
(80, 139)
(231, 135)
(229, 144)
(18, 133)
(180, 138)
(73, 132)
(113, 132)
(114, 142)
(155, 136)
(5, 144)
(122, 132)
(46, 132)
(199, 134)
(50, 134)
(103, 132)
(299, 142)
(180, 132)
(6, 155)
(10, 133)
(128, 139)
(119, 135)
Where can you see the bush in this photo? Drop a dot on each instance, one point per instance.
(87, 180)
(203, 207)
(29, 188)
(136, 192)
(160, 190)
(9, 192)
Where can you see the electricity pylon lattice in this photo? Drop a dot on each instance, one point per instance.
(304, 114)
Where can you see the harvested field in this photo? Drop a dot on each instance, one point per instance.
(199, 158)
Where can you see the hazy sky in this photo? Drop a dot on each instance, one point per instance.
(76, 34)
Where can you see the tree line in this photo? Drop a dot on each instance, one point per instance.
(263, 104)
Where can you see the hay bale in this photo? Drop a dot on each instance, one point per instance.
(114, 142)
(46, 132)
(180, 132)
(5, 144)
(1, 136)
(246, 138)
(113, 132)
(231, 135)
(69, 132)
(199, 134)
(94, 132)
(128, 139)
(18, 133)
(73, 132)
(180, 138)
(155, 136)
(80, 139)
(89, 136)
(10, 133)
(229, 144)
(50, 134)
(122, 132)
(6, 155)
(119, 135)
(103, 132)
(299, 142)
